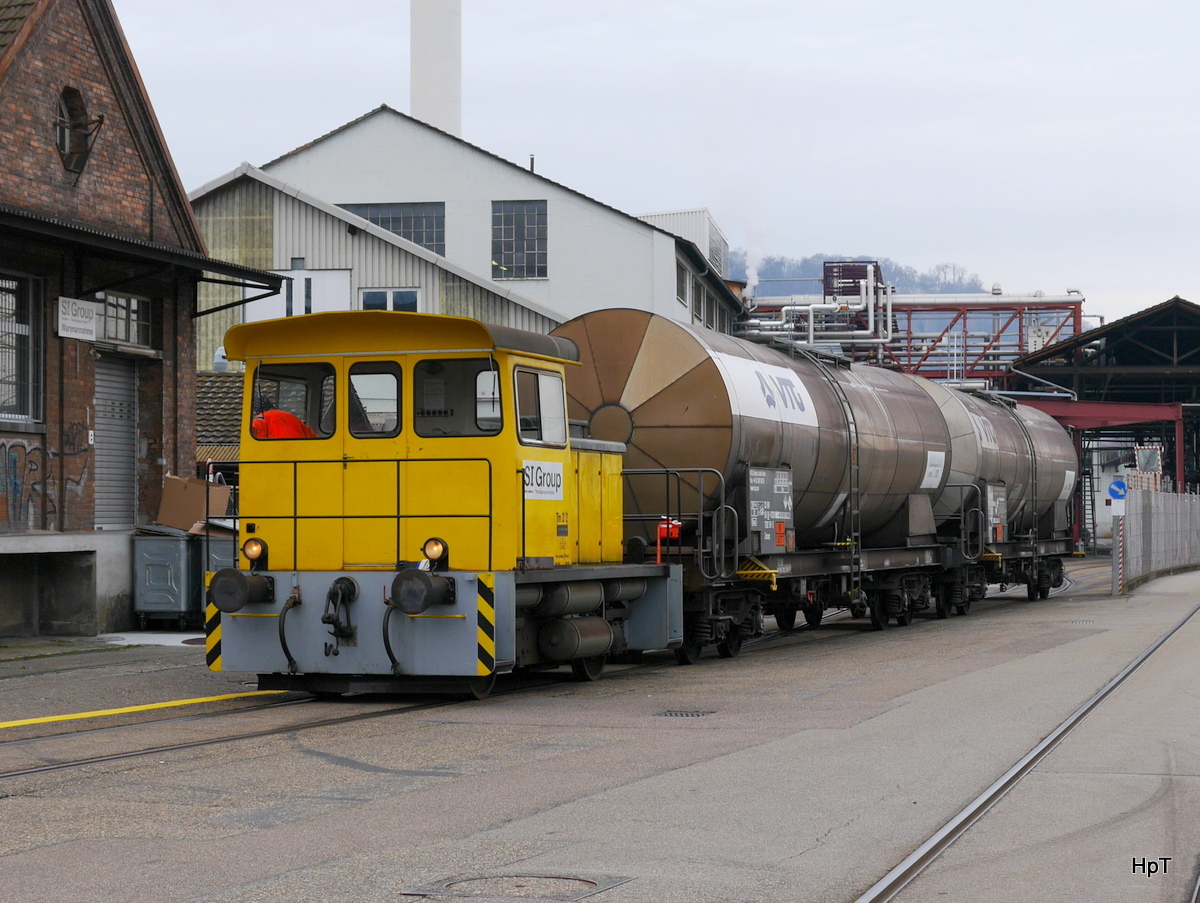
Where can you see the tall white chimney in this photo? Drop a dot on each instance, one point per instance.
(436, 64)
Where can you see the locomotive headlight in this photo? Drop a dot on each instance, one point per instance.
(437, 553)
(255, 551)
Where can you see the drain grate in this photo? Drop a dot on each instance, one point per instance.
(681, 714)
(1083, 622)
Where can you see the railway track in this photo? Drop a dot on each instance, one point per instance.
(763, 644)
(911, 866)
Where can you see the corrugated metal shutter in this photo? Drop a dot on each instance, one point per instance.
(116, 443)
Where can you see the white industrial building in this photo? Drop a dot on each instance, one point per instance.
(566, 251)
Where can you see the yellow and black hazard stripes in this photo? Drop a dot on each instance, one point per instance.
(212, 637)
(487, 625)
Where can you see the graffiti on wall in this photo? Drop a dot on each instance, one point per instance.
(31, 475)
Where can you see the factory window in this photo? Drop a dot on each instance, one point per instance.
(541, 408)
(698, 303)
(681, 283)
(74, 132)
(401, 299)
(20, 349)
(519, 240)
(422, 223)
(124, 318)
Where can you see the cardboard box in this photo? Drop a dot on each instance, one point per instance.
(183, 502)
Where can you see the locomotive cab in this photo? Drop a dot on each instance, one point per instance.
(407, 482)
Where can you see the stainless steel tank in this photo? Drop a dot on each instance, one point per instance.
(995, 442)
(683, 397)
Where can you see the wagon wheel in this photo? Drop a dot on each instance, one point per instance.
(879, 614)
(943, 605)
(785, 618)
(589, 668)
(732, 644)
(813, 615)
(1031, 590)
(904, 610)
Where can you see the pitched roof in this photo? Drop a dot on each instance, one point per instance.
(219, 408)
(695, 254)
(12, 16)
(1116, 329)
(19, 21)
(365, 225)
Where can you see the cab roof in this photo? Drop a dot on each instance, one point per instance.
(381, 332)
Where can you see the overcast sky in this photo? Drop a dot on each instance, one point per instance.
(1042, 145)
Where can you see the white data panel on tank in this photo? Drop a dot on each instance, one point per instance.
(935, 463)
(766, 391)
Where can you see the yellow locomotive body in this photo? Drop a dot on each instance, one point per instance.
(415, 474)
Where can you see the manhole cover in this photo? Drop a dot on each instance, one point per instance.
(533, 887)
(685, 714)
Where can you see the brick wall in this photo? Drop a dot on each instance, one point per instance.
(118, 189)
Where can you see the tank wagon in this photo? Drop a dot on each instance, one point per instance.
(429, 501)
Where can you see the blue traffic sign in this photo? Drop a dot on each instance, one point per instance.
(1117, 489)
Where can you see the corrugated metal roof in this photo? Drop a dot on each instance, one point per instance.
(218, 410)
(12, 17)
(206, 453)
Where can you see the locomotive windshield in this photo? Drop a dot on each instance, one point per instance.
(456, 398)
(293, 401)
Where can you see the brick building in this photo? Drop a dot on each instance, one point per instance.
(100, 258)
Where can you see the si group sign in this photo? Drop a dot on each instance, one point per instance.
(78, 319)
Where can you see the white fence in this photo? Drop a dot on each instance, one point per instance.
(1159, 533)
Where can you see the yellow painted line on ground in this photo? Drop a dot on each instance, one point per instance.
(50, 719)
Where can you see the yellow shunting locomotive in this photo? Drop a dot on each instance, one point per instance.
(429, 501)
(414, 511)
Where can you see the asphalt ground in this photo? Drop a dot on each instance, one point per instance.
(803, 770)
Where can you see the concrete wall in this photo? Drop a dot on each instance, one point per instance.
(69, 584)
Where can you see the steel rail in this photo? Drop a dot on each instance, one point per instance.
(894, 881)
(215, 741)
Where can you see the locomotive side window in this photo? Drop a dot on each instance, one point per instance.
(293, 401)
(541, 408)
(456, 398)
(374, 400)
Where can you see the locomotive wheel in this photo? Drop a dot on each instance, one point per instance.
(785, 618)
(732, 644)
(480, 687)
(589, 668)
(689, 652)
(879, 614)
(813, 615)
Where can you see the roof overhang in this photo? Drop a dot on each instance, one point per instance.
(19, 223)
(1094, 415)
